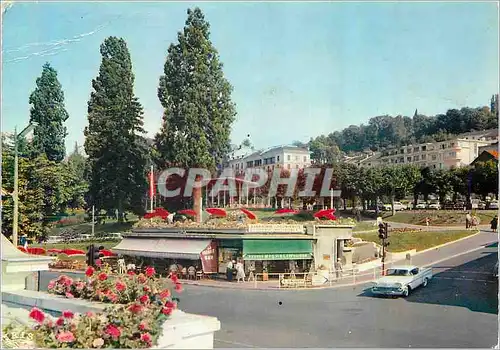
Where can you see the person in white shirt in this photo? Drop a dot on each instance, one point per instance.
(240, 272)
(229, 270)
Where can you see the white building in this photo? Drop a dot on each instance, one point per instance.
(287, 157)
(456, 152)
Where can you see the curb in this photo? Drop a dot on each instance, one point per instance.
(448, 243)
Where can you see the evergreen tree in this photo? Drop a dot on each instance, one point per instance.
(196, 98)
(115, 147)
(49, 113)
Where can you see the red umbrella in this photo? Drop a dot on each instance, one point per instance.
(330, 217)
(36, 251)
(57, 251)
(189, 212)
(322, 213)
(149, 215)
(72, 251)
(216, 211)
(21, 248)
(106, 253)
(249, 214)
(285, 211)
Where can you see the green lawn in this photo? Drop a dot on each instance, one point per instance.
(439, 217)
(76, 245)
(364, 226)
(419, 240)
(86, 228)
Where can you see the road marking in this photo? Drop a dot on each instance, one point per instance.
(235, 343)
(454, 256)
(464, 279)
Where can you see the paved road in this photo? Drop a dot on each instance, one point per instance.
(458, 309)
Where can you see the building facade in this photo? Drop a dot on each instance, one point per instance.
(286, 157)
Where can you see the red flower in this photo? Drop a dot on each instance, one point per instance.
(60, 321)
(120, 286)
(90, 271)
(113, 331)
(69, 295)
(68, 282)
(167, 311)
(68, 314)
(102, 276)
(165, 294)
(146, 289)
(66, 337)
(150, 271)
(178, 287)
(143, 326)
(174, 278)
(170, 305)
(98, 262)
(37, 315)
(146, 337)
(131, 272)
(135, 308)
(112, 296)
(144, 299)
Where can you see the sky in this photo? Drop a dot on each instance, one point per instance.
(298, 70)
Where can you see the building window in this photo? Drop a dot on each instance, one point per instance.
(415, 149)
(296, 166)
(258, 162)
(424, 148)
(288, 157)
(402, 151)
(434, 157)
(408, 159)
(296, 158)
(273, 160)
(424, 156)
(416, 158)
(278, 158)
(305, 159)
(250, 164)
(288, 166)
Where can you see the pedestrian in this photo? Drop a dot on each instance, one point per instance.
(427, 221)
(229, 270)
(468, 220)
(338, 268)
(240, 272)
(251, 272)
(494, 223)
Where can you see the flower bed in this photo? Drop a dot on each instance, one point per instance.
(142, 303)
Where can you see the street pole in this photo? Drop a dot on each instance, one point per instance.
(93, 220)
(15, 195)
(151, 188)
(331, 198)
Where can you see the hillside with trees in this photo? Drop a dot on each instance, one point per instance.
(386, 131)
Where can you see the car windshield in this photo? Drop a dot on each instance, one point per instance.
(398, 272)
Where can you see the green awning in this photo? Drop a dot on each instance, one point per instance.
(277, 249)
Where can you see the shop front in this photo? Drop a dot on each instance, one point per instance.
(229, 249)
(162, 253)
(278, 255)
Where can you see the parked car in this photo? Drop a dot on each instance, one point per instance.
(54, 239)
(493, 205)
(421, 205)
(402, 280)
(434, 206)
(481, 205)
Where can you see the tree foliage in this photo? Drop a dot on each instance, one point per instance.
(114, 142)
(49, 113)
(196, 98)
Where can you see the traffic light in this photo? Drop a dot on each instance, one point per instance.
(381, 231)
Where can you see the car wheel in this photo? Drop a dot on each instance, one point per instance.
(406, 292)
(426, 281)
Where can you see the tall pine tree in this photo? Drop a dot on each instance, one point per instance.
(196, 98)
(49, 113)
(114, 143)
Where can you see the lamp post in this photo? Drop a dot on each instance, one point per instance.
(15, 193)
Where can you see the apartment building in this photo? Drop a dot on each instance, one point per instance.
(457, 152)
(287, 157)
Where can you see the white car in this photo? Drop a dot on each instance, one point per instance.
(493, 205)
(434, 206)
(421, 205)
(402, 280)
(398, 206)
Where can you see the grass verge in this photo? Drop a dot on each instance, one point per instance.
(439, 217)
(419, 240)
(76, 245)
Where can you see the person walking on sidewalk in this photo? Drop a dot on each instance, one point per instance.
(251, 273)
(494, 223)
(240, 272)
(468, 221)
(338, 269)
(229, 271)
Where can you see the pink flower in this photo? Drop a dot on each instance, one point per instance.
(144, 299)
(143, 326)
(37, 315)
(170, 305)
(90, 271)
(102, 276)
(66, 337)
(113, 331)
(49, 323)
(69, 295)
(146, 337)
(68, 314)
(174, 278)
(135, 308)
(90, 314)
(68, 282)
(60, 321)
(98, 262)
(51, 285)
(112, 296)
(120, 286)
(178, 287)
(150, 271)
(80, 285)
(165, 294)
(167, 311)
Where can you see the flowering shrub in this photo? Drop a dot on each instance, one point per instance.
(122, 289)
(119, 327)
